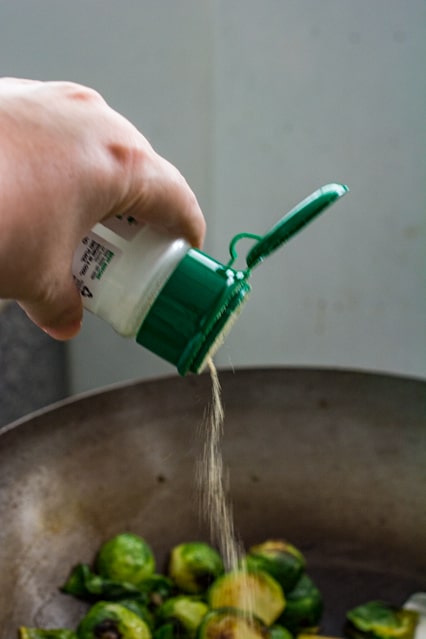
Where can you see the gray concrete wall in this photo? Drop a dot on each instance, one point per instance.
(33, 368)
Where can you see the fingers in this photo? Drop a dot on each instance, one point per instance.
(60, 314)
(178, 208)
(161, 197)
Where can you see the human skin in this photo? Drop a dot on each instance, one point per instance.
(67, 161)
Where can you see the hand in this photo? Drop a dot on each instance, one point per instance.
(67, 161)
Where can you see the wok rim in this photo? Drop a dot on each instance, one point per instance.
(123, 384)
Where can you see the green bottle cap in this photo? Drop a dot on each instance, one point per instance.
(202, 297)
(196, 306)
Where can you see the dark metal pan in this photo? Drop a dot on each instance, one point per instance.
(333, 461)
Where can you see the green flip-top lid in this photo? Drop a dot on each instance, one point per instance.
(201, 299)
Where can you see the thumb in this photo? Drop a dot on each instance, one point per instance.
(60, 315)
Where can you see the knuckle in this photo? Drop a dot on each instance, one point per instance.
(78, 92)
(121, 153)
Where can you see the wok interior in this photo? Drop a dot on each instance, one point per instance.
(332, 461)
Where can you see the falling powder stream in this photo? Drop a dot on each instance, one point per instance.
(212, 479)
(212, 482)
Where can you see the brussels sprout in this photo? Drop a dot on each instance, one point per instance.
(231, 624)
(140, 609)
(379, 620)
(279, 632)
(156, 589)
(38, 633)
(194, 566)
(127, 558)
(185, 613)
(254, 593)
(284, 562)
(304, 606)
(106, 620)
(83, 583)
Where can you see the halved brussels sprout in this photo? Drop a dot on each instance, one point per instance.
(379, 620)
(38, 633)
(140, 609)
(304, 606)
(254, 593)
(231, 624)
(184, 613)
(127, 558)
(284, 562)
(194, 566)
(106, 620)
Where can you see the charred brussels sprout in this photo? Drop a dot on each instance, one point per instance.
(194, 566)
(106, 620)
(231, 624)
(281, 560)
(251, 592)
(83, 583)
(127, 558)
(304, 606)
(37, 633)
(378, 620)
(150, 593)
(184, 614)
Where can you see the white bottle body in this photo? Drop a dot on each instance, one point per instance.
(121, 266)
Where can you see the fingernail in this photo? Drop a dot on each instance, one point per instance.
(63, 333)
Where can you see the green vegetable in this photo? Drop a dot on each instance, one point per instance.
(106, 620)
(304, 606)
(156, 589)
(255, 592)
(83, 583)
(231, 624)
(268, 597)
(279, 632)
(38, 633)
(284, 562)
(194, 566)
(185, 613)
(165, 632)
(125, 558)
(378, 620)
(150, 593)
(139, 609)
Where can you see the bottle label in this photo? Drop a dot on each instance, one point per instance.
(92, 258)
(126, 226)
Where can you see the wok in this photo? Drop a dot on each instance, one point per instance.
(334, 461)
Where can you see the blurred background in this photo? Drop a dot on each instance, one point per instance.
(258, 104)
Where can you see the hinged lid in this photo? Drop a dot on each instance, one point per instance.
(294, 221)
